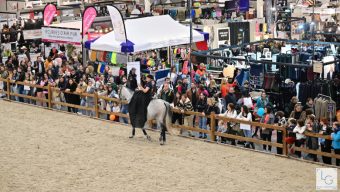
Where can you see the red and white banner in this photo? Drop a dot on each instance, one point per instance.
(49, 12)
(89, 15)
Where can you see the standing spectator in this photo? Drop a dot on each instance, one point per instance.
(291, 106)
(309, 105)
(228, 127)
(193, 95)
(132, 79)
(20, 77)
(224, 89)
(186, 105)
(312, 142)
(26, 52)
(298, 114)
(124, 107)
(326, 145)
(43, 81)
(212, 107)
(245, 115)
(231, 97)
(212, 89)
(281, 121)
(48, 63)
(200, 107)
(267, 118)
(176, 116)
(166, 93)
(70, 97)
(336, 140)
(172, 75)
(39, 67)
(300, 137)
(167, 80)
(262, 101)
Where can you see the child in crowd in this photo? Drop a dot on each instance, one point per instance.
(300, 137)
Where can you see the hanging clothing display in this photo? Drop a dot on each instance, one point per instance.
(328, 71)
(322, 107)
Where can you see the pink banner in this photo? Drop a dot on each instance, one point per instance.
(49, 12)
(89, 15)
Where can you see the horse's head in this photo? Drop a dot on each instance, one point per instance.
(124, 93)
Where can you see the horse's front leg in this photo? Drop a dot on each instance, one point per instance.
(146, 135)
(133, 132)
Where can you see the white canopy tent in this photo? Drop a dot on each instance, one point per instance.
(149, 33)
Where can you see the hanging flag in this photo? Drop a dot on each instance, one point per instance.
(49, 11)
(114, 58)
(308, 2)
(89, 14)
(117, 23)
(101, 67)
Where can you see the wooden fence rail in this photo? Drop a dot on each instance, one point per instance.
(213, 118)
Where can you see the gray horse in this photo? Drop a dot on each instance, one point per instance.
(158, 110)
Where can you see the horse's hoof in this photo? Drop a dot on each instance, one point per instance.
(131, 136)
(148, 138)
(162, 143)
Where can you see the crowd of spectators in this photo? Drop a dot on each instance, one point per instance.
(197, 92)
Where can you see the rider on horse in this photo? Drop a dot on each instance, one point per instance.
(139, 104)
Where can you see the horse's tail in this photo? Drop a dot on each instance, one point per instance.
(167, 117)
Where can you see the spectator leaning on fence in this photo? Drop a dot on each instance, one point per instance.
(245, 115)
(300, 137)
(212, 107)
(312, 142)
(336, 140)
(280, 120)
(200, 107)
(326, 145)
(226, 126)
(267, 118)
(185, 105)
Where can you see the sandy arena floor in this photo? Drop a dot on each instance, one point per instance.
(42, 150)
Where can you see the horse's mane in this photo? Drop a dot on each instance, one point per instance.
(128, 89)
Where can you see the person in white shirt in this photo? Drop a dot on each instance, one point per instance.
(300, 137)
(245, 115)
(227, 127)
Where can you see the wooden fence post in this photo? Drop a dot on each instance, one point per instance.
(212, 126)
(96, 104)
(8, 89)
(284, 143)
(49, 90)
